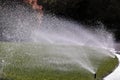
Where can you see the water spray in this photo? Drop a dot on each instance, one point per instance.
(35, 6)
(60, 31)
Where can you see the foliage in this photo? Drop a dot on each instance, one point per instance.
(104, 10)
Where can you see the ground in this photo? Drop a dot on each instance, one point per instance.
(31, 61)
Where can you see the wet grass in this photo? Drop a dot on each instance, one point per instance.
(30, 62)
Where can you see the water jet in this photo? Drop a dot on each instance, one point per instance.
(57, 48)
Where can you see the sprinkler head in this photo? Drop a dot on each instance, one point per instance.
(95, 76)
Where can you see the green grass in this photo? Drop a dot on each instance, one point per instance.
(28, 61)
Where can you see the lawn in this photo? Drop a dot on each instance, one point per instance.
(32, 61)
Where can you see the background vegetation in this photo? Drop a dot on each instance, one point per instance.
(89, 12)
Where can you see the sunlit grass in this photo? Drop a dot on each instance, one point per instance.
(28, 62)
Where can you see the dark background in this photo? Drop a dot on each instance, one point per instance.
(88, 12)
